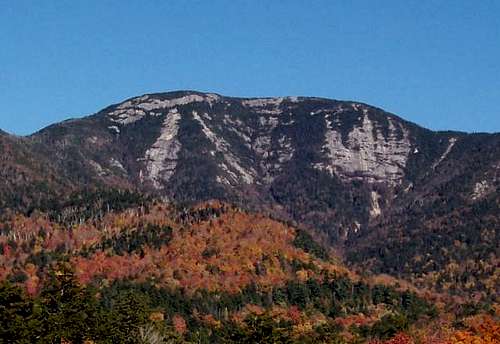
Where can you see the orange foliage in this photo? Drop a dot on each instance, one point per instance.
(157, 316)
(482, 330)
(210, 320)
(357, 319)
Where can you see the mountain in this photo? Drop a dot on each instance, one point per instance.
(385, 193)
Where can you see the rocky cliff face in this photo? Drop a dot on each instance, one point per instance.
(348, 170)
(252, 140)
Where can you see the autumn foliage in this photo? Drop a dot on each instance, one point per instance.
(212, 247)
(481, 330)
(264, 269)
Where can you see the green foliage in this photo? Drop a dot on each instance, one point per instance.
(128, 312)
(132, 241)
(120, 313)
(17, 323)
(93, 204)
(265, 329)
(258, 329)
(387, 327)
(304, 241)
(325, 334)
(66, 310)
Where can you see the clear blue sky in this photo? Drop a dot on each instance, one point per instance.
(436, 63)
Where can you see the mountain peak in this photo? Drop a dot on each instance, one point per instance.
(136, 108)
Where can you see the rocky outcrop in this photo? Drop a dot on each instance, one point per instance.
(161, 158)
(366, 154)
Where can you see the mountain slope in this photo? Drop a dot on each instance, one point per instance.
(445, 231)
(27, 179)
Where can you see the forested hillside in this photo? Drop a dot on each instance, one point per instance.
(125, 269)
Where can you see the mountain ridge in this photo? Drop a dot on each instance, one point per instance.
(191, 91)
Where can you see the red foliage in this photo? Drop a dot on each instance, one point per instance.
(179, 324)
(400, 338)
(294, 314)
